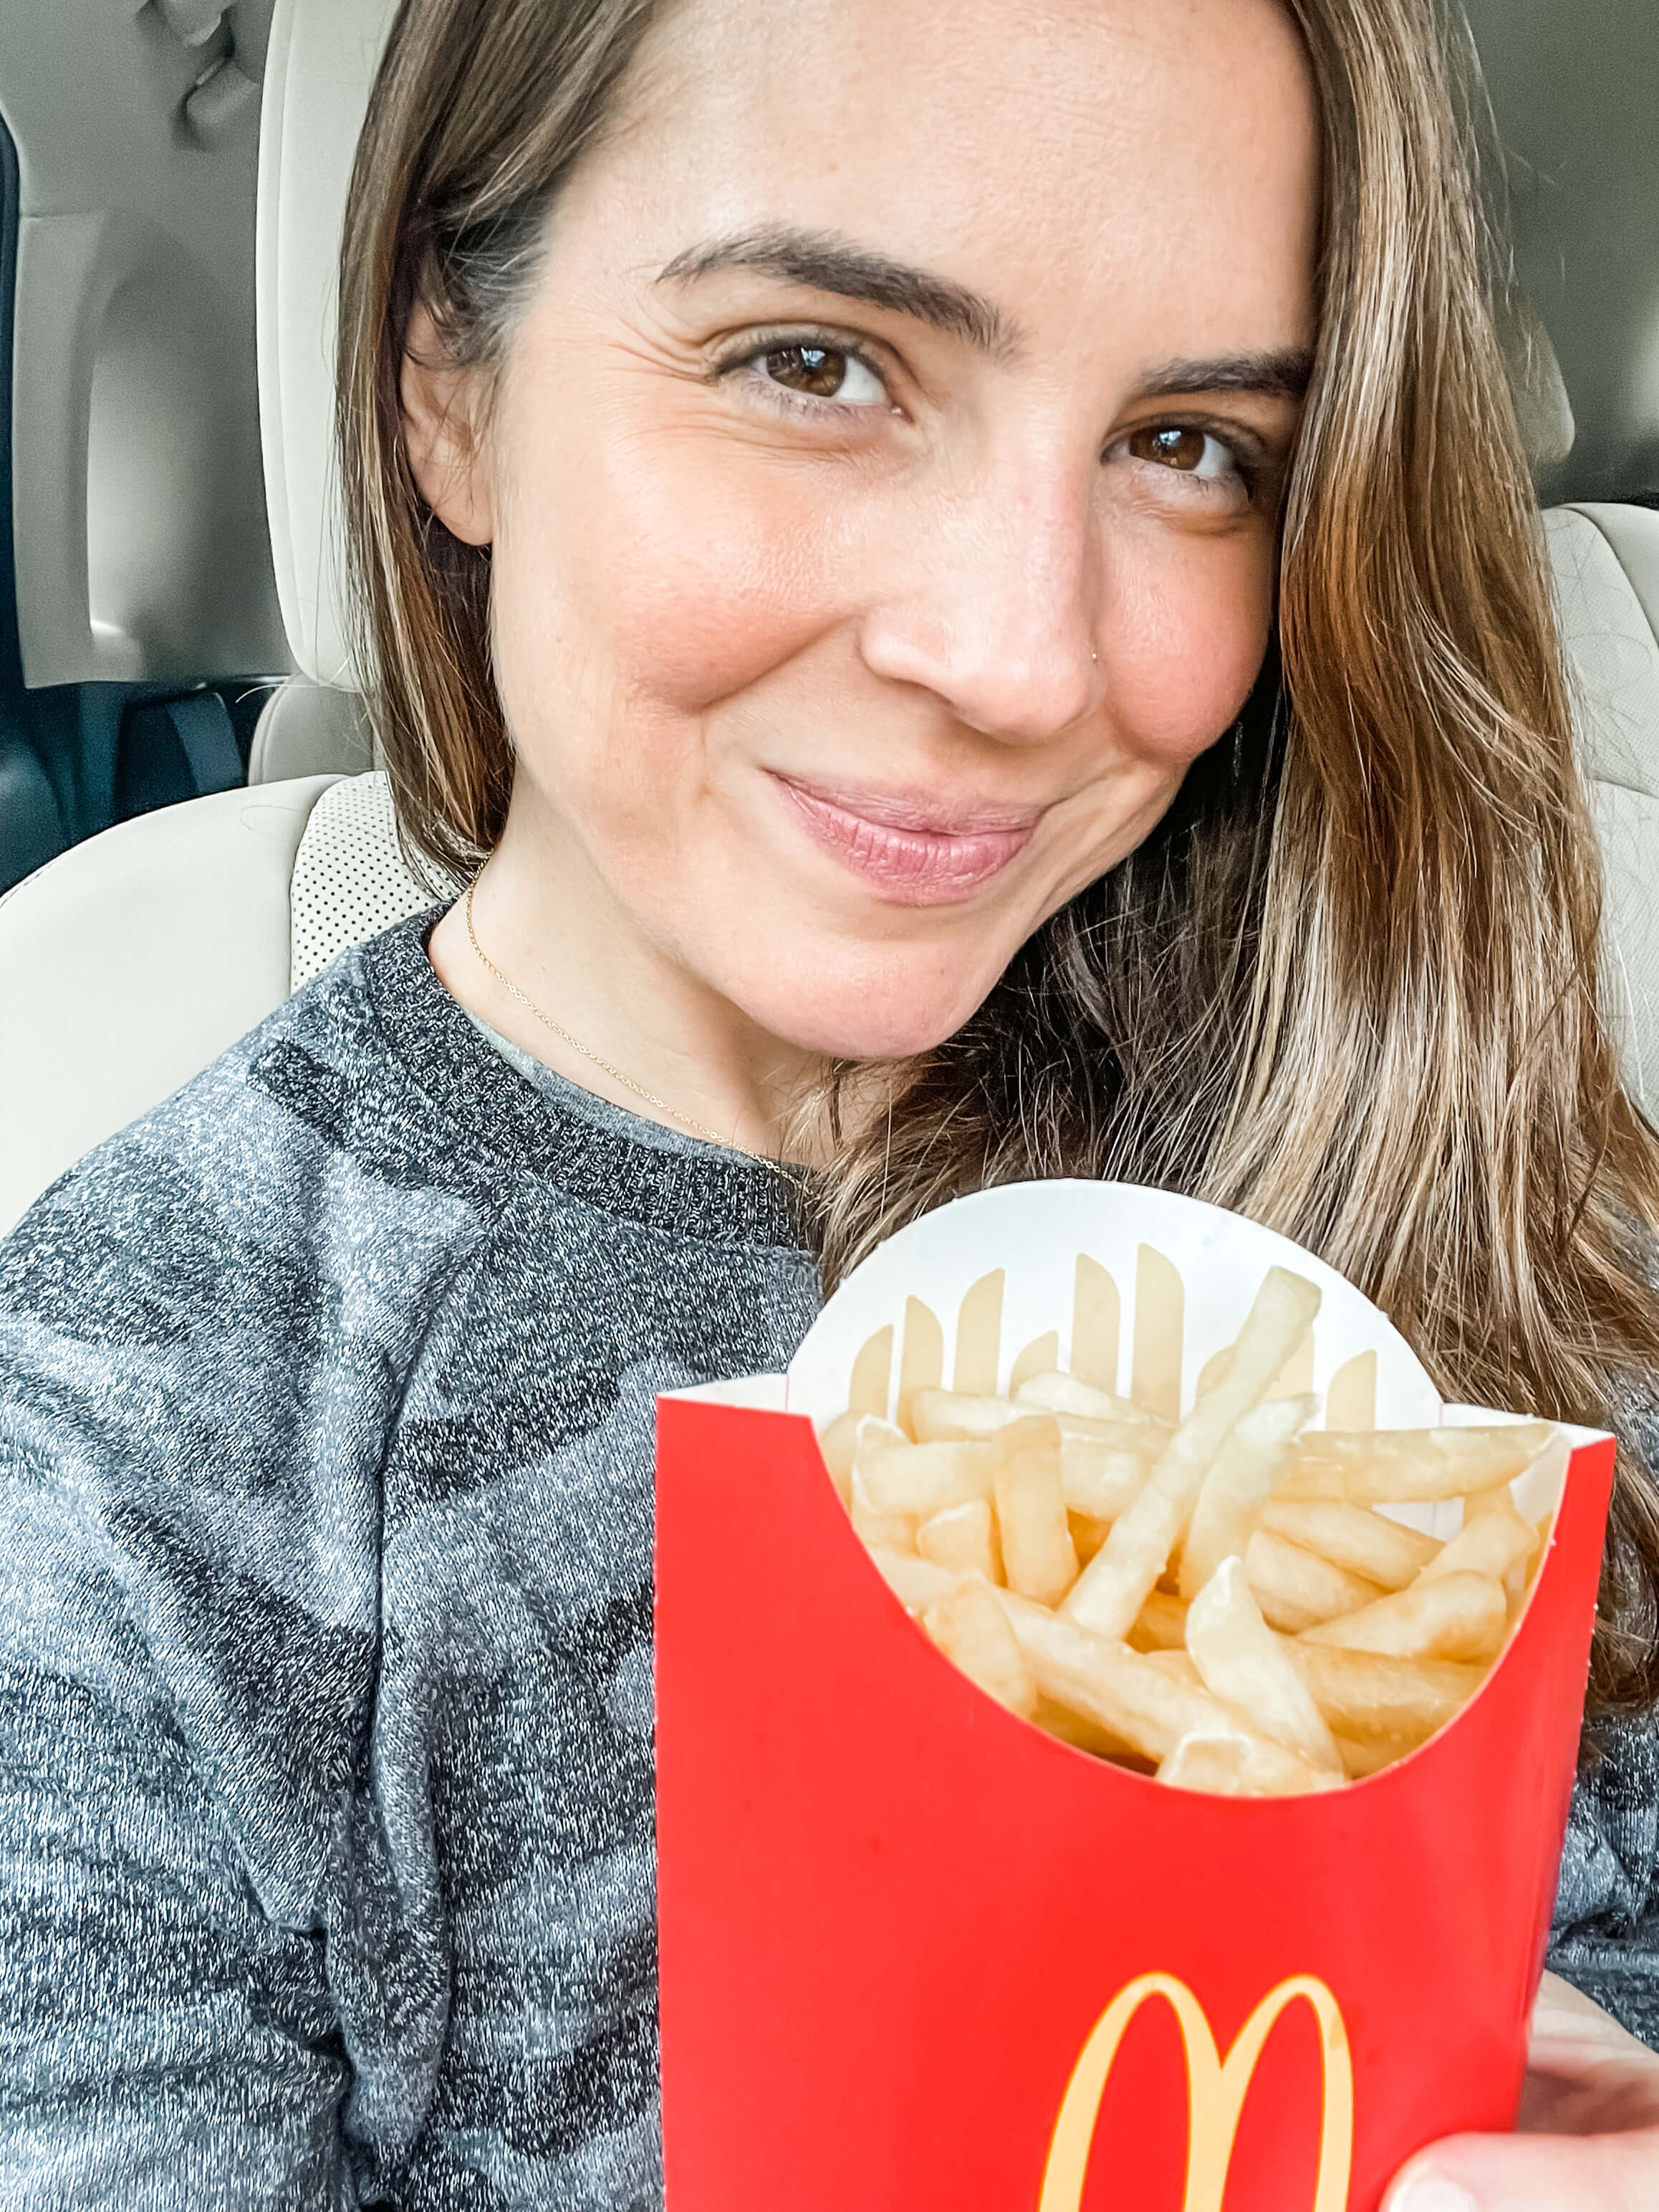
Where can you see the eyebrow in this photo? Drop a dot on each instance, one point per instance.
(1282, 375)
(825, 262)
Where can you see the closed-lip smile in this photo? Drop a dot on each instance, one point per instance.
(918, 848)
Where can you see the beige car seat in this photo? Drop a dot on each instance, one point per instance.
(131, 960)
(1605, 562)
(318, 67)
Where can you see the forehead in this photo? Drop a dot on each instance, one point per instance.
(1050, 149)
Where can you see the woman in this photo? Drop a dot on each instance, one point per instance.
(832, 491)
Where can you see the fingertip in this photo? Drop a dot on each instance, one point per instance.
(1429, 2189)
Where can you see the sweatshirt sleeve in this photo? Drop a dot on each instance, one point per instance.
(1606, 1934)
(160, 2032)
(204, 1329)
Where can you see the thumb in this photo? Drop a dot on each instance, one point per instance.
(1532, 2173)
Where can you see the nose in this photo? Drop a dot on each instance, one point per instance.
(992, 608)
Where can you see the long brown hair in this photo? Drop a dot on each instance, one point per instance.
(1350, 987)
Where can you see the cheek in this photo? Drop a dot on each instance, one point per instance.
(1182, 640)
(690, 584)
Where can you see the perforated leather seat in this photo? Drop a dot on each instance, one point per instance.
(130, 963)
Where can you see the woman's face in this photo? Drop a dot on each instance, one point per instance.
(884, 476)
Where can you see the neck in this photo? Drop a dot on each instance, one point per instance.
(548, 922)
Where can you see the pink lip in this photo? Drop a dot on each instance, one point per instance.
(915, 847)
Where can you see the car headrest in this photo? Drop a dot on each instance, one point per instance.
(321, 63)
(1548, 428)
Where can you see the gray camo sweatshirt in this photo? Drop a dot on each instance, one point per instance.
(326, 1782)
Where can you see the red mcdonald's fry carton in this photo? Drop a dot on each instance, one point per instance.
(916, 1954)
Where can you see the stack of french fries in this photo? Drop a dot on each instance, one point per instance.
(1218, 1602)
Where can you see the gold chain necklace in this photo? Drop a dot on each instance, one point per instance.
(697, 1129)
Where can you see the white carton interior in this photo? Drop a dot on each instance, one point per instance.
(1034, 1232)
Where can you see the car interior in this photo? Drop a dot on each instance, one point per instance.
(191, 822)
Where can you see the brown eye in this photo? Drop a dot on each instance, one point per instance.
(1170, 448)
(818, 370)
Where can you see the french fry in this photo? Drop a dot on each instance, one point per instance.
(1240, 1480)
(1121, 1692)
(872, 1438)
(1087, 1735)
(954, 1417)
(1108, 1596)
(1145, 1437)
(1038, 1555)
(1242, 1662)
(1529, 1574)
(972, 1631)
(922, 1480)
(1499, 1506)
(1056, 1393)
(949, 1417)
(1353, 1537)
(1454, 1616)
(1385, 1467)
(1101, 1480)
(1215, 1763)
(963, 1538)
(1297, 1590)
(1366, 1755)
(837, 1445)
(1280, 1318)
(1115, 1584)
(881, 1530)
(1160, 1626)
(1363, 1693)
(1489, 1545)
(1496, 1504)
(1106, 1683)
(916, 1584)
(1087, 1535)
(1216, 1601)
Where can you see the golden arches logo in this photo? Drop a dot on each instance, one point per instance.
(1215, 2091)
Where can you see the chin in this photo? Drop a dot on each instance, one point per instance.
(844, 1016)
